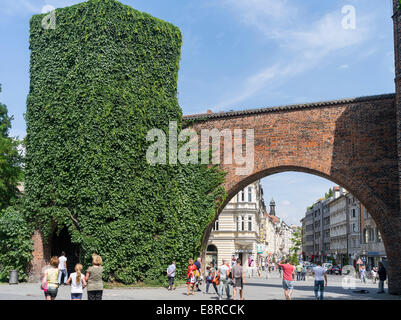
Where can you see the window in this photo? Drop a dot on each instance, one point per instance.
(242, 223)
(243, 195)
(249, 194)
(353, 213)
(365, 236)
(378, 235)
(353, 227)
(216, 225)
(371, 235)
(249, 223)
(237, 223)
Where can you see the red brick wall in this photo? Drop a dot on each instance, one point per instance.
(352, 143)
(40, 256)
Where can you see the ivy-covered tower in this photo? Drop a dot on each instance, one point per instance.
(102, 75)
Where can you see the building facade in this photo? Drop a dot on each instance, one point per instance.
(354, 234)
(372, 247)
(236, 233)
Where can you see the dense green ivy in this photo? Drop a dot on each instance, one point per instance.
(16, 244)
(100, 79)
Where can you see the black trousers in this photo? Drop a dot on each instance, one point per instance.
(95, 295)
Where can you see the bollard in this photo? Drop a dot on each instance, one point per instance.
(13, 277)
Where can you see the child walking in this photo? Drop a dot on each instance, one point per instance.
(78, 283)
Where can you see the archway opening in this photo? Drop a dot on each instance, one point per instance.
(331, 218)
(61, 241)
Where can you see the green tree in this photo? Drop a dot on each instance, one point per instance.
(16, 243)
(10, 160)
(329, 194)
(297, 243)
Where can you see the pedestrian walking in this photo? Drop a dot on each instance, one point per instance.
(382, 272)
(191, 278)
(320, 274)
(171, 275)
(198, 274)
(50, 280)
(299, 271)
(93, 277)
(362, 272)
(288, 280)
(303, 273)
(211, 278)
(223, 273)
(62, 266)
(238, 277)
(78, 282)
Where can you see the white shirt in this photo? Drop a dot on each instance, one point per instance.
(76, 287)
(61, 261)
(223, 271)
(319, 272)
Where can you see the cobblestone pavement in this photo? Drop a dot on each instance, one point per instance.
(255, 289)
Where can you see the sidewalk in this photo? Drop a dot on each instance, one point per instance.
(255, 289)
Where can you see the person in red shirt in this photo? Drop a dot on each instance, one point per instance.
(191, 277)
(288, 280)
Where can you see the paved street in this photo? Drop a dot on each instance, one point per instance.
(255, 289)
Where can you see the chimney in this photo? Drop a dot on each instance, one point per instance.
(336, 192)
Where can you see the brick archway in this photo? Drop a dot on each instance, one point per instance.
(351, 142)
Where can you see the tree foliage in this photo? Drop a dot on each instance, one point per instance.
(10, 160)
(296, 246)
(16, 243)
(100, 80)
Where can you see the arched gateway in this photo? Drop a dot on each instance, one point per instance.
(350, 142)
(355, 143)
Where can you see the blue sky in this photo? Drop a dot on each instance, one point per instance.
(240, 54)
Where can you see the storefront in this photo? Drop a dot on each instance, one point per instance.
(371, 258)
(246, 256)
(211, 254)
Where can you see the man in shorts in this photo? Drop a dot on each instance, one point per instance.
(237, 274)
(288, 280)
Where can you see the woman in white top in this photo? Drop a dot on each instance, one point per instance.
(78, 283)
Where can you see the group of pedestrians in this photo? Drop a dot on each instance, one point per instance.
(377, 273)
(289, 271)
(57, 269)
(220, 278)
(301, 272)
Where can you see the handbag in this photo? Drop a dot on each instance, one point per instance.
(43, 286)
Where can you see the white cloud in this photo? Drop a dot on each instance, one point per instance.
(344, 66)
(303, 46)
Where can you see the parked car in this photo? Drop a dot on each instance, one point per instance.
(327, 265)
(335, 270)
